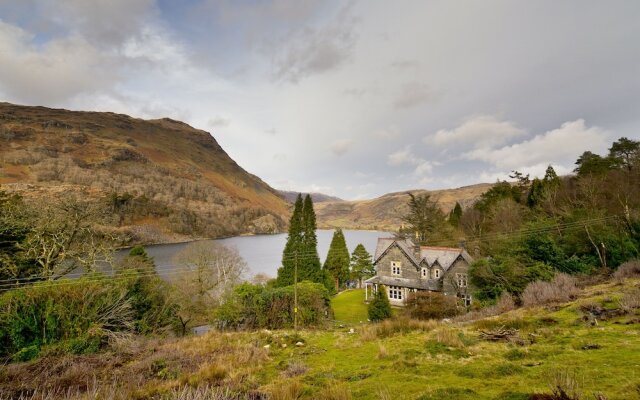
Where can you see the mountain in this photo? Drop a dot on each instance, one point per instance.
(384, 213)
(163, 179)
(316, 197)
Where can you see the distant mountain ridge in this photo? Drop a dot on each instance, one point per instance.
(385, 212)
(291, 196)
(170, 180)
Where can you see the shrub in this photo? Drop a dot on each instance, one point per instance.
(630, 300)
(401, 325)
(629, 269)
(431, 305)
(48, 312)
(562, 288)
(256, 306)
(27, 353)
(379, 309)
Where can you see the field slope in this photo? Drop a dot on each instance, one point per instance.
(587, 347)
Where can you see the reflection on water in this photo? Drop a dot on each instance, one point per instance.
(262, 253)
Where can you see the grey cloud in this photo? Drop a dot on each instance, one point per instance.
(341, 147)
(219, 122)
(316, 50)
(413, 94)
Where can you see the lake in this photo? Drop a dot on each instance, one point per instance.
(263, 253)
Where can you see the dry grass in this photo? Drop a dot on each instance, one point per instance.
(334, 391)
(151, 368)
(562, 288)
(449, 337)
(382, 352)
(287, 390)
(504, 304)
(629, 269)
(295, 368)
(630, 300)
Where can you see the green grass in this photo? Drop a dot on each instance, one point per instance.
(349, 307)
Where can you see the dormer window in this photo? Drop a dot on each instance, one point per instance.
(396, 268)
(425, 273)
(436, 273)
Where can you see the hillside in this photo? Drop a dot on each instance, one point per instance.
(316, 197)
(588, 347)
(163, 179)
(384, 212)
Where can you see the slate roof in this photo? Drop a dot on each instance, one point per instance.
(445, 257)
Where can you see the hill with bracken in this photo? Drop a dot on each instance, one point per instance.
(385, 212)
(162, 179)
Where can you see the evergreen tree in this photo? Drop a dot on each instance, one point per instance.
(379, 308)
(293, 248)
(337, 262)
(625, 152)
(424, 220)
(455, 215)
(536, 193)
(361, 265)
(309, 267)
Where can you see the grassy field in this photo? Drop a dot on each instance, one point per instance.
(349, 307)
(558, 345)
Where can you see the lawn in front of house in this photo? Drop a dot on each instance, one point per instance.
(349, 307)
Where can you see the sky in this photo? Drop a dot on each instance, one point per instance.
(349, 98)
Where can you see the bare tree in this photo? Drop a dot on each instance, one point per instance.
(210, 270)
(65, 236)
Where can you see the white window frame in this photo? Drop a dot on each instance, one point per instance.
(395, 292)
(462, 280)
(396, 268)
(436, 273)
(425, 272)
(466, 299)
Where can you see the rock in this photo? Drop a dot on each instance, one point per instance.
(267, 346)
(352, 331)
(299, 344)
(284, 345)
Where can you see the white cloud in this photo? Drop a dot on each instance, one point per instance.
(559, 146)
(477, 131)
(388, 133)
(219, 122)
(412, 94)
(421, 167)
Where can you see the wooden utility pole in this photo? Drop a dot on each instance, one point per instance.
(295, 292)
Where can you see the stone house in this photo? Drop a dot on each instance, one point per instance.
(403, 268)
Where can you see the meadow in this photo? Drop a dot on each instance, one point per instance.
(587, 348)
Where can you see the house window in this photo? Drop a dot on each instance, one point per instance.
(395, 293)
(436, 273)
(425, 273)
(461, 279)
(395, 268)
(466, 299)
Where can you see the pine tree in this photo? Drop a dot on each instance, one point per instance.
(379, 308)
(361, 265)
(337, 262)
(309, 267)
(455, 215)
(293, 248)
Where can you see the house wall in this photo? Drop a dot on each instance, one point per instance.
(448, 284)
(408, 270)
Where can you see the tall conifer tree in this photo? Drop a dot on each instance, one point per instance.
(361, 264)
(309, 267)
(337, 262)
(294, 246)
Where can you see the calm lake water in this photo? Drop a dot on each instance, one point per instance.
(263, 253)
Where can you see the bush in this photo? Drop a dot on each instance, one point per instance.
(48, 312)
(431, 305)
(27, 353)
(379, 309)
(629, 269)
(562, 288)
(256, 306)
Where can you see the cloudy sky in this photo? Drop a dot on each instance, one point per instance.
(351, 98)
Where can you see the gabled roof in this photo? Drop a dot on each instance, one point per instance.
(445, 257)
(406, 245)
